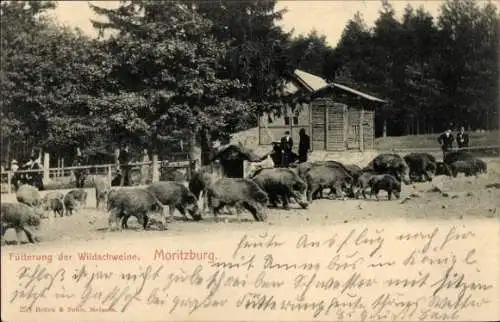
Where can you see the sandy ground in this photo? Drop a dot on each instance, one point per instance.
(466, 198)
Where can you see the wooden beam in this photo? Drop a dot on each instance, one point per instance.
(155, 171)
(345, 120)
(361, 132)
(46, 166)
(325, 106)
(309, 108)
(258, 128)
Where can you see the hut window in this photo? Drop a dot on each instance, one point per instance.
(287, 120)
(295, 120)
(269, 119)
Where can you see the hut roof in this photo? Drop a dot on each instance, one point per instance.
(312, 82)
(317, 86)
(349, 90)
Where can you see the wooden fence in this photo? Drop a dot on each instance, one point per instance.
(106, 170)
(486, 151)
(495, 149)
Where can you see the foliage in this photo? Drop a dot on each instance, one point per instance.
(435, 72)
(168, 71)
(310, 53)
(257, 52)
(49, 75)
(195, 69)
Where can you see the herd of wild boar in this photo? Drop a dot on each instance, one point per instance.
(26, 215)
(264, 187)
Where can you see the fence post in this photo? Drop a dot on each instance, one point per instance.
(46, 167)
(110, 176)
(116, 155)
(246, 165)
(189, 169)
(155, 169)
(361, 130)
(145, 168)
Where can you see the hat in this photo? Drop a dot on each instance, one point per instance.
(13, 161)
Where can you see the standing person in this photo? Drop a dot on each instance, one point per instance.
(124, 159)
(35, 178)
(446, 141)
(462, 138)
(14, 166)
(34, 163)
(304, 145)
(29, 164)
(81, 173)
(286, 149)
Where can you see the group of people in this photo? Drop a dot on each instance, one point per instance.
(31, 178)
(446, 140)
(32, 164)
(286, 145)
(125, 166)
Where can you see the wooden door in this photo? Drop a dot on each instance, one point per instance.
(318, 126)
(353, 129)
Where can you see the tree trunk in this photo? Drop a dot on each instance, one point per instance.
(423, 125)
(205, 144)
(154, 146)
(418, 124)
(6, 155)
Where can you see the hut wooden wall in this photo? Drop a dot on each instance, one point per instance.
(353, 130)
(327, 123)
(369, 130)
(336, 130)
(331, 125)
(318, 125)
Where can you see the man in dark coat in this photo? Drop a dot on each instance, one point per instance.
(286, 149)
(80, 174)
(304, 145)
(462, 138)
(446, 141)
(124, 159)
(34, 178)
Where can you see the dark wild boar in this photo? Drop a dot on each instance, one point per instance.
(282, 183)
(324, 176)
(387, 183)
(22, 218)
(29, 195)
(176, 196)
(422, 166)
(238, 192)
(137, 202)
(390, 163)
(54, 201)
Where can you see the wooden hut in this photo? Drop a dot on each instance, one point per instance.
(337, 118)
